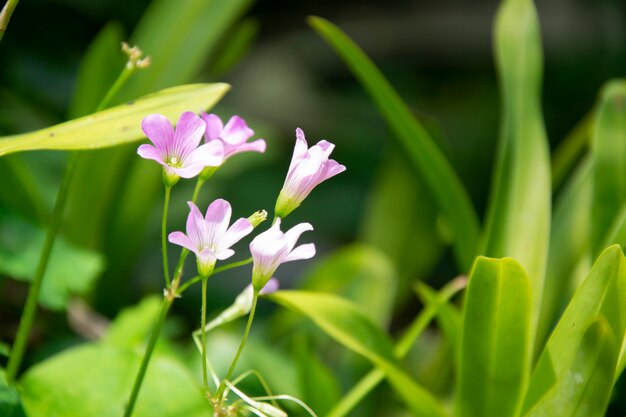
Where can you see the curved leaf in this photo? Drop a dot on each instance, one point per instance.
(495, 340)
(344, 322)
(443, 182)
(518, 219)
(117, 125)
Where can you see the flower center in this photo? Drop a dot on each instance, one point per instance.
(174, 162)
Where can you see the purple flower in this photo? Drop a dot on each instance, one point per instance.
(178, 150)
(273, 247)
(233, 136)
(209, 237)
(309, 167)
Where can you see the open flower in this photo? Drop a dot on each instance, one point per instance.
(234, 136)
(178, 150)
(273, 247)
(209, 237)
(308, 168)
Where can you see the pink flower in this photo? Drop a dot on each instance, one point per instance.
(178, 150)
(309, 167)
(209, 237)
(273, 247)
(233, 136)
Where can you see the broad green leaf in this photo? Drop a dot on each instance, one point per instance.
(101, 64)
(118, 125)
(609, 161)
(344, 322)
(495, 352)
(586, 389)
(400, 219)
(133, 325)
(96, 380)
(443, 183)
(421, 322)
(10, 403)
(518, 217)
(71, 270)
(602, 293)
(569, 243)
(360, 273)
(179, 37)
(570, 150)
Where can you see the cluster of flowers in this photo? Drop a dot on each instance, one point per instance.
(180, 153)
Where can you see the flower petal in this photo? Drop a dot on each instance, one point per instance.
(195, 225)
(150, 152)
(209, 154)
(330, 169)
(271, 286)
(258, 145)
(235, 233)
(299, 150)
(293, 234)
(236, 131)
(225, 254)
(306, 251)
(326, 147)
(217, 218)
(214, 126)
(160, 132)
(188, 134)
(181, 239)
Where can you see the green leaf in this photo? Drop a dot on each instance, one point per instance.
(71, 270)
(19, 191)
(586, 389)
(10, 403)
(133, 325)
(344, 322)
(495, 348)
(609, 159)
(118, 125)
(96, 380)
(603, 293)
(570, 150)
(360, 273)
(518, 216)
(443, 182)
(569, 245)
(98, 70)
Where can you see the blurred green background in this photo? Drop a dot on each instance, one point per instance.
(438, 56)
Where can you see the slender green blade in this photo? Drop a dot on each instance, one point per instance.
(518, 217)
(495, 340)
(344, 322)
(586, 389)
(443, 182)
(603, 293)
(609, 158)
(118, 125)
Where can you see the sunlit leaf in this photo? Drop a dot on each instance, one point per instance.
(10, 403)
(117, 125)
(603, 293)
(133, 325)
(344, 322)
(495, 351)
(586, 389)
(443, 182)
(518, 219)
(609, 161)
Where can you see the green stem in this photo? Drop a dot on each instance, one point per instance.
(17, 352)
(5, 15)
(116, 87)
(166, 204)
(220, 390)
(154, 337)
(205, 379)
(178, 272)
(196, 190)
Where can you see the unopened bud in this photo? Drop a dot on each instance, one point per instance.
(257, 218)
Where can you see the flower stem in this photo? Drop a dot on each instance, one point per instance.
(205, 379)
(196, 190)
(117, 85)
(154, 337)
(17, 352)
(5, 15)
(166, 203)
(220, 390)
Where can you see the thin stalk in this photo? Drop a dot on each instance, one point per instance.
(178, 272)
(220, 390)
(166, 204)
(154, 337)
(5, 15)
(17, 352)
(205, 379)
(196, 190)
(116, 87)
